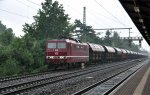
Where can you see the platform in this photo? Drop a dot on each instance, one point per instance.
(138, 84)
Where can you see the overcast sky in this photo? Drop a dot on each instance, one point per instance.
(99, 14)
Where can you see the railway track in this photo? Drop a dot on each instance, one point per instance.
(71, 86)
(17, 77)
(107, 85)
(23, 87)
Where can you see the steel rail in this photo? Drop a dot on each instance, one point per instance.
(104, 80)
(34, 84)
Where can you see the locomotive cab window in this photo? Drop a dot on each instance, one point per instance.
(61, 45)
(51, 45)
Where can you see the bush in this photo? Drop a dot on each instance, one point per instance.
(10, 67)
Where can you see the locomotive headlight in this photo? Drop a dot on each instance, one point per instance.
(61, 57)
(47, 57)
(50, 57)
(65, 57)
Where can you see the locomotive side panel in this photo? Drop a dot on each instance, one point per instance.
(79, 52)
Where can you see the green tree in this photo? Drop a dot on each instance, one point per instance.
(116, 41)
(6, 35)
(107, 39)
(87, 34)
(2, 27)
(50, 22)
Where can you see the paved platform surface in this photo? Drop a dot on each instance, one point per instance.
(138, 84)
(146, 90)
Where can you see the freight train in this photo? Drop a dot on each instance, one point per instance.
(71, 51)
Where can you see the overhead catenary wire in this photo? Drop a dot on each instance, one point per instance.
(99, 22)
(33, 3)
(15, 13)
(115, 20)
(71, 7)
(96, 15)
(26, 4)
(92, 18)
(78, 11)
(110, 13)
(124, 14)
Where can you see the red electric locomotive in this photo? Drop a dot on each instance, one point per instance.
(71, 51)
(66, 51)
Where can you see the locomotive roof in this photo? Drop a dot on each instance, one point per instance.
(96, 47)
(61, 40)
(110, 49)
(76, 42)
(67, 40)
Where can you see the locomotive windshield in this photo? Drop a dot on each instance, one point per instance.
(61, 45)
(57, 45)
(51, 45)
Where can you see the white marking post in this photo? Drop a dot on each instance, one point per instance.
(82, 65)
